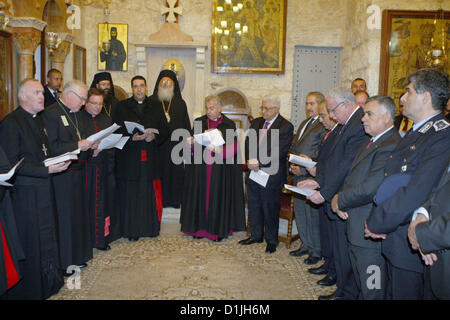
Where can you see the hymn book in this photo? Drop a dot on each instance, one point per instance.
(304, 191)
(72, 155)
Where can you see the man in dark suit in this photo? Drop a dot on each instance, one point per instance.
(421, 157)
(430, 234)
(326, 245)
(266, 150)
(51, 89)
(342, 107)
(354, 200)
(307, 140)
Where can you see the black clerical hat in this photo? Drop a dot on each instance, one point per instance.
(171, 75)
(100, 77)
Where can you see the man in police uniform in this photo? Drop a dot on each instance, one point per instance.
(418, 161)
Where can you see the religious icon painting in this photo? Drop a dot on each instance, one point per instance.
(177, 67)
(112, 47)
(248, 36)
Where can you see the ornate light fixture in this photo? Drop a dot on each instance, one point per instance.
(52, 41)
(437, 55)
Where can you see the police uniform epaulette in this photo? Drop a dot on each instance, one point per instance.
(441, 124)
(426, 127)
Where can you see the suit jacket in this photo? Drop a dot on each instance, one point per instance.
(49, 98)
(361, 184)
(340, 157)
(434, 236)
(308, 143)
(263, 150)
(421, 154)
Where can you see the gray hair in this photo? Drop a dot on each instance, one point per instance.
(341, 94)
(273, 100)
(22, 85)
(386, 102)
(216, 99)
(73, 85)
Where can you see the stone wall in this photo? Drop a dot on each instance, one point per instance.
(333, 23)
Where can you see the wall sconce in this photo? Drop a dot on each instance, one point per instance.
(52, 41)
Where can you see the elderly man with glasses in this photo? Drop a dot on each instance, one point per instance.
(266, 150)
(65, 130)
(351, 136)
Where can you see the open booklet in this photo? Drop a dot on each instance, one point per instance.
(304, 191)
(114, 140)
(72, 155)
(301, 161)
(134, 125)
(6, 176)
(104, 133)
(260, 177)
(207, 138)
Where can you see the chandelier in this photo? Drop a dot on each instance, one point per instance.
(437, 55)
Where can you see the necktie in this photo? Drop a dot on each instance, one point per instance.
(326, 136)
(369, 144)
(55, 94)
(405, 124)
(311, 120)
(264, 131)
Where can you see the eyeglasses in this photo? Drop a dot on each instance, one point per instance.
(334, 109)
(266, 108)
(81, 98)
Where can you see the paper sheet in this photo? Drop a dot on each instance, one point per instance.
(113, 141)
(104, 133)
(132, 125)
(301, 161)
(304, 191)
(213, 137)
(6, 176)
(260, 177)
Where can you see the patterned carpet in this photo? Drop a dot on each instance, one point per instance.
(176, 267)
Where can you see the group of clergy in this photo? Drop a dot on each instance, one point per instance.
(53, 216)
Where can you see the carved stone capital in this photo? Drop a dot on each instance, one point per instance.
(27, 40)
(59, 54)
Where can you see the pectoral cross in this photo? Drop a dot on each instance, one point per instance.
(44, 149)
(172, 11)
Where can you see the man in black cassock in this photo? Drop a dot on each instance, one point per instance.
(65, 133)
(138, 172)
(10, 248)
(104, 82)
(167, 97)
(213, 196)
(116, 55)
(22, 135)
(105, 226)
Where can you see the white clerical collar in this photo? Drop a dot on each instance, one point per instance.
(356, 109)
(381, 134)
(420, 123)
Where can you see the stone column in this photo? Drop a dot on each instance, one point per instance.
(27, 36)
(59, 55)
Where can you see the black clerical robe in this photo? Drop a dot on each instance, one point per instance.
(70, 185)
(105, 226)
(10, 246)
(23, 136)
(220, 187)
(172, 174)
(138, 172)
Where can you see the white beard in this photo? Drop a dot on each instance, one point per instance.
(165, 94)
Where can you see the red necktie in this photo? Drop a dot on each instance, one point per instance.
(369, 144)
(326, 136)
(405, 126)
(264, 131)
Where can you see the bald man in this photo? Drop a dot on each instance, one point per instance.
(22, 135)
